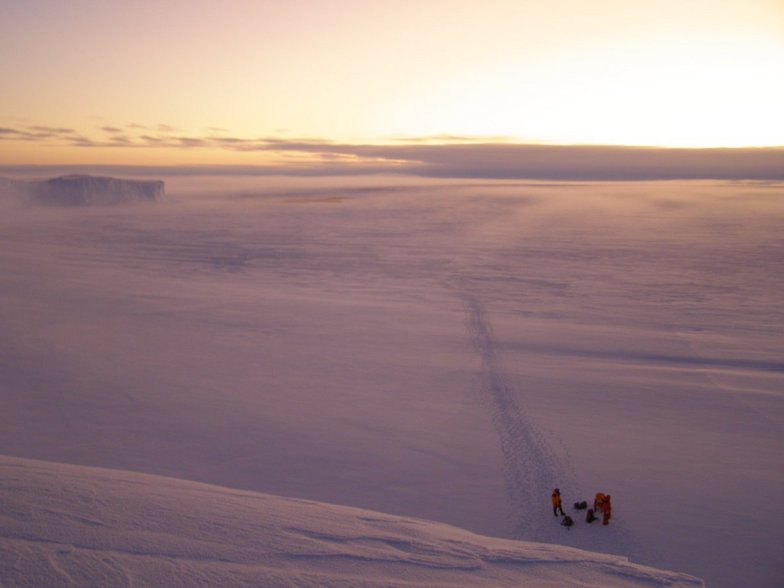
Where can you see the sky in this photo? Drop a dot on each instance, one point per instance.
(193, 82)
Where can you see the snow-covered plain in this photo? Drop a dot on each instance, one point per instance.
(448, 350)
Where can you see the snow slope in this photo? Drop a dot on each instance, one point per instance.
(75, 526)
(444, 350)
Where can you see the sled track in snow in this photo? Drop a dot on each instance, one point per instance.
(531, 468)
(528, 469)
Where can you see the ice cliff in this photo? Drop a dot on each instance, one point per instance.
(78, 190)
(84, 190)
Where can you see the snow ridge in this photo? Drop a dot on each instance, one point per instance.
(64, 524)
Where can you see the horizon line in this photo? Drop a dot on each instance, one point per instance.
(501, 160)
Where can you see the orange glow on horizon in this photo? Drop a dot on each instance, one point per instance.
(677, 73)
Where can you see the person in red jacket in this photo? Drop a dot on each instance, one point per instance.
(556, 498)
(606, 510)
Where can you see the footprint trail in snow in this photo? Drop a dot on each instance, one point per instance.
(530, 468)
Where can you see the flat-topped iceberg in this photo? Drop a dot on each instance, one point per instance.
(84, 190)
(79, 190)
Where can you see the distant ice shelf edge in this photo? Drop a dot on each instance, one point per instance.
(85, 190)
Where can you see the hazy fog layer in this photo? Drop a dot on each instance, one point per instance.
(448, 350)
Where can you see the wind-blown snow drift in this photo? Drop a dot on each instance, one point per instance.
(98, 527)
(82, 190)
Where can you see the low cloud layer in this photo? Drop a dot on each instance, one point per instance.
(458, 157)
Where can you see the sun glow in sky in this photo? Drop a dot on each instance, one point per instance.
(161, 80)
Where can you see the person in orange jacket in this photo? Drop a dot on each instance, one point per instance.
(606, 510)
(556, 498)
(598, 501)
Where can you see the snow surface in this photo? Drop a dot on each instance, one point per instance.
(446, 350)
(76, 526)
